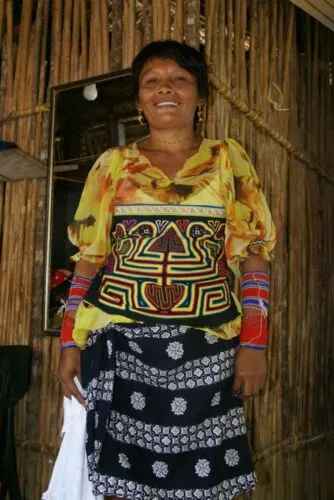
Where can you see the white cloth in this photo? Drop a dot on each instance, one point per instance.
(69, 479)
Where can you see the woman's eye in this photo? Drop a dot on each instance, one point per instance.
(180, 77)
(151, 80)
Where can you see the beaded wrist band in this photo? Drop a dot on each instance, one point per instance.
(66, 346)
(78, 291)
(66, 336)
(255, 306)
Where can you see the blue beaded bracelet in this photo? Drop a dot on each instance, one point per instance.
(254, 346)
(66, 346)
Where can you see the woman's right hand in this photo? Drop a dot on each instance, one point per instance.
(69, 368)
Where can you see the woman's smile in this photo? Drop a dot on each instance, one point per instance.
(165, 104)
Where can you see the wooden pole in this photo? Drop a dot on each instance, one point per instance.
(147, 22)
(74, 57)
(210, 52)
(28, 125)
(83, 37)
(2, 21)
(191, 22)
(10, 58)
(252, 68)
(156, 20)
(105, 36)
(166, 20)
(5, 256)
(243, 68)
(9, 92)
(42, 78)
(22, 67)
(130, 27)
(65, 57)
(178, 32)
(229, 57)
(57, 41)
(92, 37)
(98, 51)
(117, 34)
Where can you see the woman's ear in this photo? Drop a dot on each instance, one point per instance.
(201, 102)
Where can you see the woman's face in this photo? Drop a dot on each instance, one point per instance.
(168, 94)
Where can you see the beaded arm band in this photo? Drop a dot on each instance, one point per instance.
(255, 306)
(78, 290)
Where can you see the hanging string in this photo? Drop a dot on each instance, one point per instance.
(278, 104)
(264, 126)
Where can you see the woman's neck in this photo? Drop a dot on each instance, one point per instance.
(171, 140)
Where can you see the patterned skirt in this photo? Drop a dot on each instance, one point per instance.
(161, 419)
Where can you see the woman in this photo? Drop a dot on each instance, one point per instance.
(160, 225)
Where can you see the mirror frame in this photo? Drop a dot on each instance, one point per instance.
(50, 181)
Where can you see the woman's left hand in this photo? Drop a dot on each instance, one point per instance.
(250, 372)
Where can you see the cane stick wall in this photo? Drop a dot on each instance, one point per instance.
(271, 89)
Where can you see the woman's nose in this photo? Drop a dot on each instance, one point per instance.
(165, 87)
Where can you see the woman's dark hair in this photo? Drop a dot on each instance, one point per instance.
(185, 56)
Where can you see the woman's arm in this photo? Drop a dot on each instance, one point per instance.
(69, 365)
(254, 263)
(251, 364)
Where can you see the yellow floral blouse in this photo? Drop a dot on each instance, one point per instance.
(166, 245)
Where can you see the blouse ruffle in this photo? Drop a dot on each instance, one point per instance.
(90, 229)
(249, 229)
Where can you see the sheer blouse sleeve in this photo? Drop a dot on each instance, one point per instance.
(249, 227)
(90, 229)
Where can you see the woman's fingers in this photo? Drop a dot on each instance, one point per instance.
(237, 386)
(74, 391)
(250, 372)
(243, 387)
(70, 389)
(68, 369)
(250, 386)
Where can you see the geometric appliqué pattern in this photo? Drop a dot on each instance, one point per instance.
(144, 251)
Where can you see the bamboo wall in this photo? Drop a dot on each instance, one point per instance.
(272, 89)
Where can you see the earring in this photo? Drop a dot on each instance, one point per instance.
(140, 117)
(199, 114)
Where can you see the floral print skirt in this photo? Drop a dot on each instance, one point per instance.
(162, 422)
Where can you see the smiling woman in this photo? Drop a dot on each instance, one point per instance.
(166, 355)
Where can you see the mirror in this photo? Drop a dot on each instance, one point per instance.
(87, 117)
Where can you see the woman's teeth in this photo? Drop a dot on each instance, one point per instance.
(166, 103)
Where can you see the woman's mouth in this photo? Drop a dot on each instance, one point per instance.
(165, 104)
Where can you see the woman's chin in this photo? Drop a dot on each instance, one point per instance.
(167, 122)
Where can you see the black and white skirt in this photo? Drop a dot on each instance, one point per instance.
(161, 419)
